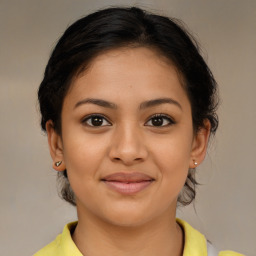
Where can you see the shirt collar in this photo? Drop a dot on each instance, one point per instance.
(195, 243)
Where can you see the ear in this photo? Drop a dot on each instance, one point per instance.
(199, 145)
(55, 146)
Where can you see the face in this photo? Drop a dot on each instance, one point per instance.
(127, 138)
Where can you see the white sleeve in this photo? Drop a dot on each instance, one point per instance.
(211, 250)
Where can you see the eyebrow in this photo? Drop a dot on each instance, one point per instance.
(99, 102)
(155, 102)
(143, 105)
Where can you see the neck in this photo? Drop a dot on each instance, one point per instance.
(162, 236)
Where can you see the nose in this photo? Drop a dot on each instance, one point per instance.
(128, 146)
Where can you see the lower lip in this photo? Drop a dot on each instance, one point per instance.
(128, 188)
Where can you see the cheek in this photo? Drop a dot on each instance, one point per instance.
(174, 170)
(172, 158)
(173, 150)
(83, 156)
(82, 159)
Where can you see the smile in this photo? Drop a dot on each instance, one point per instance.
(128, 183)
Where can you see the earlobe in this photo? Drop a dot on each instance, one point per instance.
(200, 143)
(55, 147)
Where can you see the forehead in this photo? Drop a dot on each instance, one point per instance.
(128, 72)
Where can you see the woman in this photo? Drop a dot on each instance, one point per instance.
(128, 105)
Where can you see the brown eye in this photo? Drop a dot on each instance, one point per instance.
(96, 120)
(160, 121)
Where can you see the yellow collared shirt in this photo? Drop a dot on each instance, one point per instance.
(195, 243)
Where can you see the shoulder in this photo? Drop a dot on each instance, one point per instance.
(50, 249)
(196, 243)
(63, 245)
(230, 253)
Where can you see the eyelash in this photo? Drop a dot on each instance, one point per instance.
(163, 116)
(90, 117)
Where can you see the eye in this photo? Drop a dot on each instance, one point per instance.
(96, 120)
(160, 120)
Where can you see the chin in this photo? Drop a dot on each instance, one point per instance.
(127, 217)
(130, 222)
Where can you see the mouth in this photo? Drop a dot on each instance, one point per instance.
(127, 183)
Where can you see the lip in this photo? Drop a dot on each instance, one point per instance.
(127, 177)
(127, 183)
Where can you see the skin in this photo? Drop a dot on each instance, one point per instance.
(127, 141)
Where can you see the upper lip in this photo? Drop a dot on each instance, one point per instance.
(128, 177)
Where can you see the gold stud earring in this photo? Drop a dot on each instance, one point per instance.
(57, 164)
